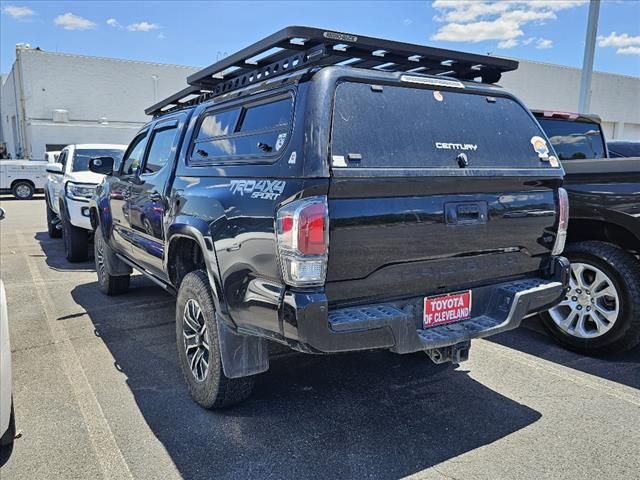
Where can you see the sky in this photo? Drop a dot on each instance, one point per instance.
(199, 33)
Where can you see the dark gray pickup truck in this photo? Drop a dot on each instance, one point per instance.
(601, 312)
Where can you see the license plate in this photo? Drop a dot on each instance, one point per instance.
(449, 308)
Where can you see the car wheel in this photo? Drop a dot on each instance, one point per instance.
(52, 223)
(109, 284)
(601, 310)
(199, 350)
(6, 441)
(23, 190)
(76, 241)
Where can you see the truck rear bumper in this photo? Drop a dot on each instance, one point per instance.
(397, 326)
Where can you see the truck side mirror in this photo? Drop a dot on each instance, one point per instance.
(102, 165)
(55, 168)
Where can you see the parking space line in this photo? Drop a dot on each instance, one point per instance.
(109, 455)
(584, 379)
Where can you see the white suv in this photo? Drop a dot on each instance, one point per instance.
(69, 187)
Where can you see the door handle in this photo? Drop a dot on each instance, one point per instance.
(155, 196)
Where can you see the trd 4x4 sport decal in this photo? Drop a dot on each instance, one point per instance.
(265, 189)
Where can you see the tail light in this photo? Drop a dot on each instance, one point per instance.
(563, 222)
(302, 230)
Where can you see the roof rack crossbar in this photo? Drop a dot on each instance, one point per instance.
(295, 48)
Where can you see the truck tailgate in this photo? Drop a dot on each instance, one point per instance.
(419, 239)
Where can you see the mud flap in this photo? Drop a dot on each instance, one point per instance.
(242, 355)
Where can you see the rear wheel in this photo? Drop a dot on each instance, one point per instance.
(199, 350)
(76, 241)
(52, 223)
(601, 310)
(109, 284)
(23, 190)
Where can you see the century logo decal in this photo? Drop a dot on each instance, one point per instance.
(265, 189)
(456, 146)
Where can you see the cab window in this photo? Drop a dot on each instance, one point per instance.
(161, 149)
(259, 130)
(574, 140)
(133, 157)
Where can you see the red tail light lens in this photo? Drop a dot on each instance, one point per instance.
(311, 230)
(302, 230)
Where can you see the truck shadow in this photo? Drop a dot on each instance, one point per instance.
(372, 414)
(623, 368)
(53, 249)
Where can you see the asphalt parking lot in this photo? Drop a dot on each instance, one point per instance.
(98, 394)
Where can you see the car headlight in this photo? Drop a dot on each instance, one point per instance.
(78, 191)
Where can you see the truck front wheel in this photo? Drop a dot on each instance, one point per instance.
(199, 349)
(601, 310)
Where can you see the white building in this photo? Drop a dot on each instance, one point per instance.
(615, 98)
(50, 100)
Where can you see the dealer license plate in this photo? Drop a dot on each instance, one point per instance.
(449, 308)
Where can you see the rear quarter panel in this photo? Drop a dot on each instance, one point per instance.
(232, 208)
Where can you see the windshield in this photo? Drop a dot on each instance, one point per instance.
(574, 140)
(83, 155)
(390, 126)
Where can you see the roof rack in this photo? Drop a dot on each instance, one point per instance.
(295, 48)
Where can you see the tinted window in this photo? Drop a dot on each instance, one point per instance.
(82, 156)
(623, 149)
(267, 115)
(63, 159)
(133, 157)
(263, 133)
(160, 150)
(241, 146)
(411, 127)
(573, 140)
(218, 124)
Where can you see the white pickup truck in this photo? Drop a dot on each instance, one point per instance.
(22, 177)
(68, 189)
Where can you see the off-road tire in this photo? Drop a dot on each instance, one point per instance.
(624, 270)
(23, 190)
(76, 241)
(107, 283)
(215, 390)
(52, 229)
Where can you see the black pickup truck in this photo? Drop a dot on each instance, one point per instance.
(334, 192)
(601, 312)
